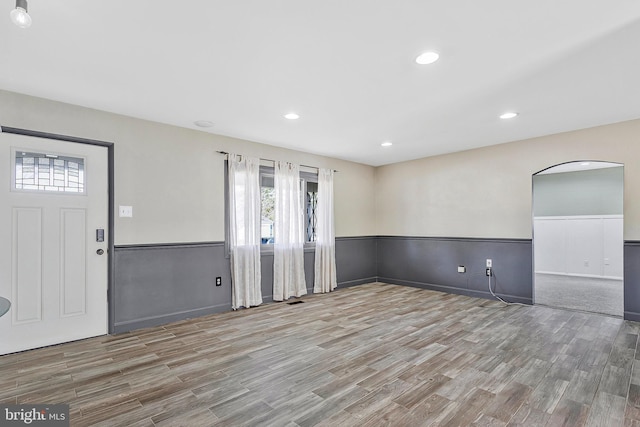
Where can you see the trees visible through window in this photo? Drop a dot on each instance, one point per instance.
(310, 193)
(267, 208)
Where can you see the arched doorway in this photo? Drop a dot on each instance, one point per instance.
(578, 237)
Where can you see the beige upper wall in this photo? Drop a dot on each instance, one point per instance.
(174, 177)
(486, 192)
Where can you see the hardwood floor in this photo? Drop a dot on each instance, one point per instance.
(369, 355)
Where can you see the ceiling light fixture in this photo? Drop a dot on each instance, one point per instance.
(291, 116)
(19, 15)
(427, 58)
(508, 115)
(203, 123)
(387, 144)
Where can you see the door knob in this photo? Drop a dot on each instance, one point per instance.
(100, 251)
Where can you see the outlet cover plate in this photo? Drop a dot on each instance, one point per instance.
(125, 211)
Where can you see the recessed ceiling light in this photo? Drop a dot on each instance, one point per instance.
(508, 115)
(387, 144)
(291, 116)
(203, 123)
(585, 164)
(427, 58)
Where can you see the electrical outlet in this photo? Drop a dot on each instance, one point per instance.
(489, 263)
(489, 272)
(218, 281)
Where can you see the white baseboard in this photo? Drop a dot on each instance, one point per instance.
(591, 276)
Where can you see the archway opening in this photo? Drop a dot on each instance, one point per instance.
(578, 237)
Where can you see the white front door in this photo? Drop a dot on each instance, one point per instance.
(53, 199)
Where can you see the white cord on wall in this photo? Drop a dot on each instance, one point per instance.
(497, 297)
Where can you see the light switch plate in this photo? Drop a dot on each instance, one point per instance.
(125, 211)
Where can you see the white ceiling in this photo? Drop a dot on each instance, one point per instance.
(346, 66)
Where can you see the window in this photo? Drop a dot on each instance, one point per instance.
(309, 183)
(267, 206)
(47, 172)
(311, 202)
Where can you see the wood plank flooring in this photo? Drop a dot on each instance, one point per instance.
(369, 355)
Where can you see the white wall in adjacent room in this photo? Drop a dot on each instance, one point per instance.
(579, 245)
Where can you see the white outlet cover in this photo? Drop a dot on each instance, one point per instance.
(125, 211)
(489, 263)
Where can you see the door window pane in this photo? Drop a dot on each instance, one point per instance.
(46, 172)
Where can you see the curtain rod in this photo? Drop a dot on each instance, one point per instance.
(270, 160)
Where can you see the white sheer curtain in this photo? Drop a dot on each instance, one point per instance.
(244, 230)
(325, 262)
(288, 248)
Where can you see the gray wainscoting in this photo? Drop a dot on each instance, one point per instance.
(157, 284)
(432, 263)
(632, 280)
(356, 260)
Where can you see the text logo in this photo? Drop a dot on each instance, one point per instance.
(34, 415)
